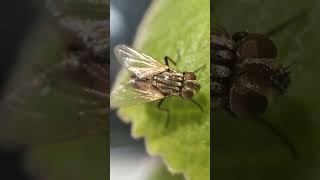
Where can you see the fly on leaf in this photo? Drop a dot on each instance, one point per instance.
(245, 72)
(151, 80)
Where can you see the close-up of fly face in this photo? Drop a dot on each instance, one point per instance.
(190, 85)
(245, 72)
(151, 80)
(245, 75)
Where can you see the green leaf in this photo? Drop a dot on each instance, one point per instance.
(169, 28)
(162, 173)
(254, 152)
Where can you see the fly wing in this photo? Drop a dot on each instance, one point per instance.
(134, 92)
(138, 63)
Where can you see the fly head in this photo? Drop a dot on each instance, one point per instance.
(190, 85)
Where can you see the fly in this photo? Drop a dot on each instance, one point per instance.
(151, 80)
(245, 72)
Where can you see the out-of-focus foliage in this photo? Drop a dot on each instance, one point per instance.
(53, 103)
(81, 159)
(47, 100)
(169, 28)
(162, 173)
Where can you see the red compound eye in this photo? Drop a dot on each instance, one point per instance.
(190, 76)
(246, 103)
(187, 93)
(257, 46)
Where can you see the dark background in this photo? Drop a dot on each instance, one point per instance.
(16, 17)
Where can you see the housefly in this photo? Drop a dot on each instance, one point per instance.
(151, 80)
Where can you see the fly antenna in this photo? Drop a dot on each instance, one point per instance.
(282, 137)
(201, 67)
(285, 69)
(285, 24)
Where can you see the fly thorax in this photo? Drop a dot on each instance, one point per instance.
(168, 82)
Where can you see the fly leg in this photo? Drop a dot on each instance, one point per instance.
(167, 59)
(199, 68)
(282, 137)
(97, 116)
(285, 24)
(100, 113)
(166, 110)
(197, 104)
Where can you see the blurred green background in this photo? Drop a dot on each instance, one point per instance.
(41, 117)
(243, 149)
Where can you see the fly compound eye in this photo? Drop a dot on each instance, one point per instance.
(190, 76)
(257, 46)
(186, 93)
(246, 103)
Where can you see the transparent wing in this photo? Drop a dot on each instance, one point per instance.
(134, 92)
(138, 63)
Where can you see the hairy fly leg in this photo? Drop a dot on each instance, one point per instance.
(280, 80)
(197, 104)
(166, 110)
(167, 59)
(285, 24)
(282, 137)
